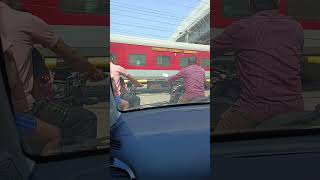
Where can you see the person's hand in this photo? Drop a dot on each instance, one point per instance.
(223, 76)
(138, 84)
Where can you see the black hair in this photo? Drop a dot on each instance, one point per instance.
(262, 5)
(192, 60)
(113, 59)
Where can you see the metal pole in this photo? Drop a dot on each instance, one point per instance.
(187, 37)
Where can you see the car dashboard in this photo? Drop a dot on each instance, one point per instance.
(160, 143)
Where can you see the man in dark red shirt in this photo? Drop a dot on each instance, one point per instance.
(267, 50)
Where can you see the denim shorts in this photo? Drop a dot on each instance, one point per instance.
(117, 99)
(25, 123)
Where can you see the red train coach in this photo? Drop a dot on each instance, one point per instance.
(82, 24)
(150, 59)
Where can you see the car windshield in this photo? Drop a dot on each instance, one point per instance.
(265, 85)
(150, 70)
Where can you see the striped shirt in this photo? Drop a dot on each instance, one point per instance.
(116, 72)
(194, 78)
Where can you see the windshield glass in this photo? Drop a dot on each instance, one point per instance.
(266, 72)
(155, 61)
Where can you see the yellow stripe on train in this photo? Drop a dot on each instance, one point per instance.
(143, 81)
(314, 59)
(100, 62)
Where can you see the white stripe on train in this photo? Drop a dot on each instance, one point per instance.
(149, 75)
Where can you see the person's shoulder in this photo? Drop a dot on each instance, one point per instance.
(240, 24)
(185, 68)
(22, 12)
(201, 69)
(244, 20)
(23, 16)
(28, 16)
(118, 67)
(294, 22)
(35, 18)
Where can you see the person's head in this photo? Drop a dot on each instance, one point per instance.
(113, 59)
(192, 61)
(262, 5)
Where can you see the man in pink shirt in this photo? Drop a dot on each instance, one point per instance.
(25, 30)
(194, 79)
(268, 47)
(116, 72)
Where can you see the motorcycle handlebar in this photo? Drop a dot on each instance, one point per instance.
(220, 73)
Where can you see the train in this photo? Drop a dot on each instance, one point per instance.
(228, 11)
(152, 58)
(84, 25)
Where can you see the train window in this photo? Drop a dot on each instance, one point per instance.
(184, 62)
(235, 9)
(137, 59)
(304, 10)
(84, 6)
(163, 61)
(204, 63)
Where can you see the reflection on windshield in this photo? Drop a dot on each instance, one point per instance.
(59, 107)
(270, 82)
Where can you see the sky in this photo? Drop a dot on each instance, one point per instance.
(156, 19)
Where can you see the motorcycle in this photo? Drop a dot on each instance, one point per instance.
(226, 91)
(79, 125)
(129, 94)
(177, 90)
(74, 91)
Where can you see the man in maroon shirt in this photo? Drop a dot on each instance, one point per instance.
(267, 50)
(194, 79)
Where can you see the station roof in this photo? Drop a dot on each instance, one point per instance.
(195, 16)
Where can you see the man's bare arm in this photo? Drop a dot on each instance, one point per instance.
(125, 73)
(132, 79)
(72, 57)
